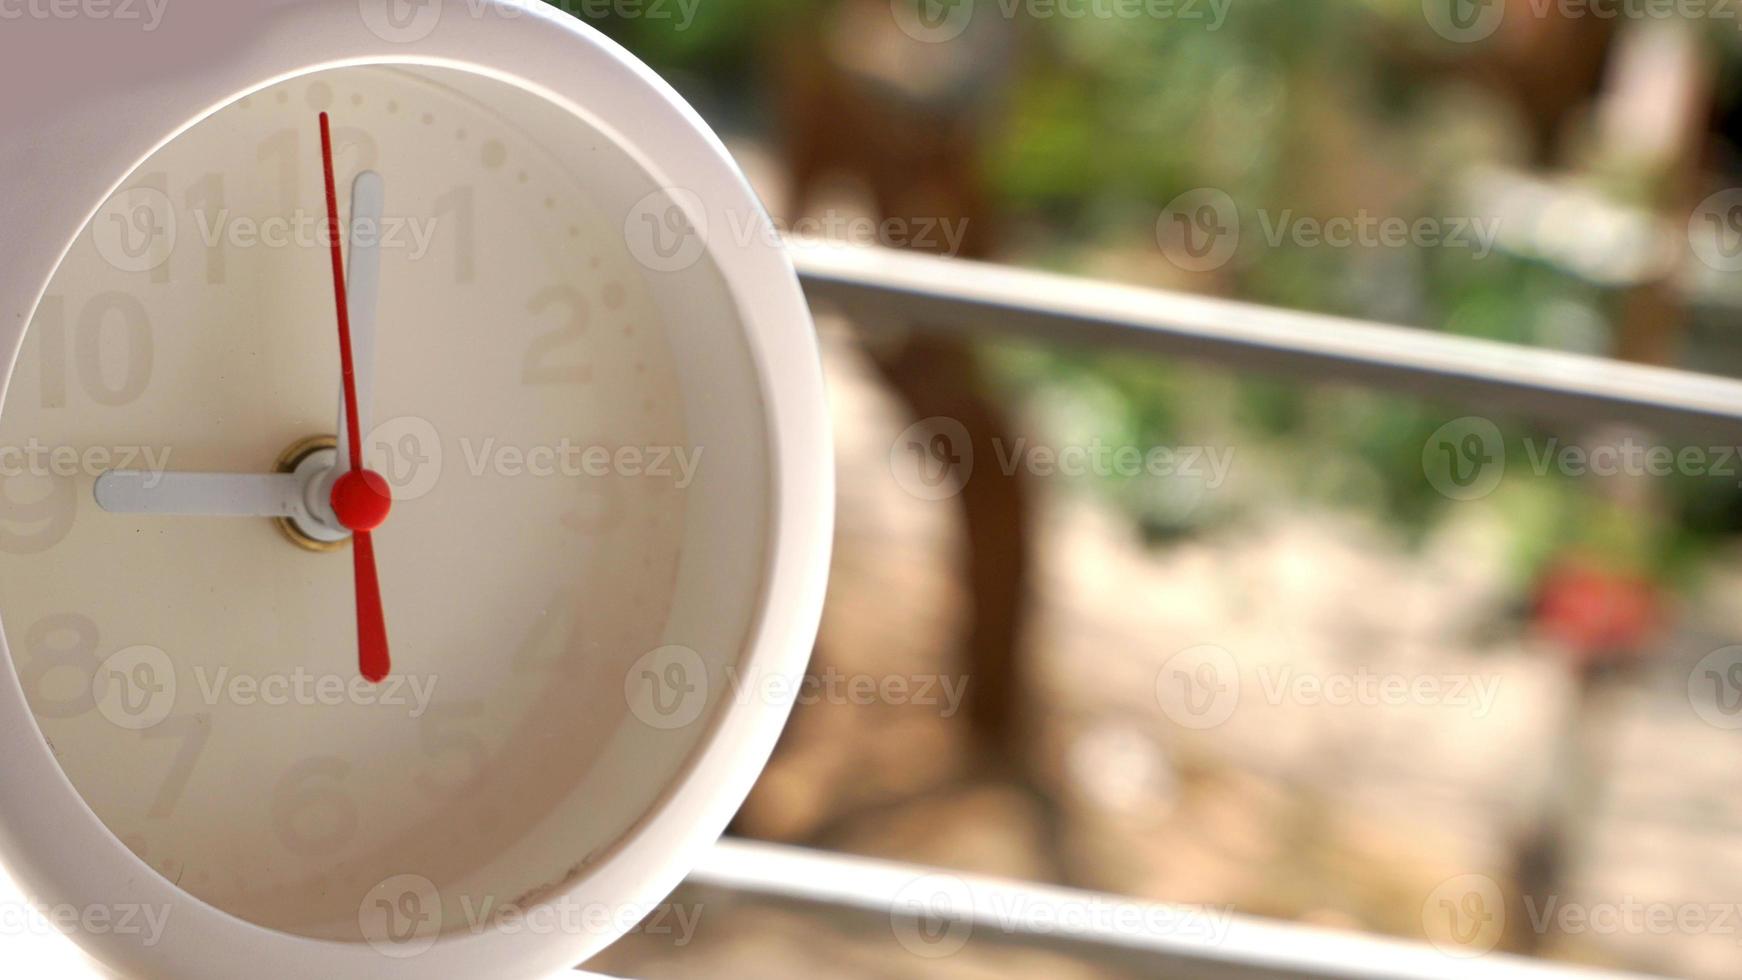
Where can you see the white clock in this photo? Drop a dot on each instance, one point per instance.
(451, 677)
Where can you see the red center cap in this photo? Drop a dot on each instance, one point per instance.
(361, 500)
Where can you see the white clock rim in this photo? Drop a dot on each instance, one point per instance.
(103, 100)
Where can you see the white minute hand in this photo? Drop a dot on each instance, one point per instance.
(363, 294)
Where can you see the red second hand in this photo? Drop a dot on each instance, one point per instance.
(361, 498)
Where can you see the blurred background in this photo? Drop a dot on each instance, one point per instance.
(1305, 652)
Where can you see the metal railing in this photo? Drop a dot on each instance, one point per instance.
(1147, 939)
(881, 288)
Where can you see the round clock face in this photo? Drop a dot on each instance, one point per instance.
(567, 417)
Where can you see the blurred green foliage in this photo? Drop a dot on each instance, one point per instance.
(1319, 108)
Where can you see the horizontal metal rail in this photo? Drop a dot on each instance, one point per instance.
(882, 286)
(879, 287)
(1146, 939)
(880, 898)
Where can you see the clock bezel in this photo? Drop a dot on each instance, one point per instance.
(107, 96)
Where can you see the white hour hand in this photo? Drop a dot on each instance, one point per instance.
(201, 494)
